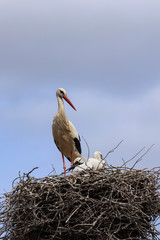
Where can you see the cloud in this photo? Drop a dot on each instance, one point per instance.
(112, 44)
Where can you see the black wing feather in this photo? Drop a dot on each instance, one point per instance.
(77, 144)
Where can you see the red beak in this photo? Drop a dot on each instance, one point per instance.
(67, 100)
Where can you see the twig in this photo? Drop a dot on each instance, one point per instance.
(53, 171)
(125, 162)
(112, 150)
(140, 158)
(31, 171)
(97, 219)
(87, 146)
(73, 213)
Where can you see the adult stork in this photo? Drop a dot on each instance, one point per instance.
(94, 163)
(64, 133)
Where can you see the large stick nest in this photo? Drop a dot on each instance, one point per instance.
(115, 203)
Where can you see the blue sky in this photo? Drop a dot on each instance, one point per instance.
(106, 55)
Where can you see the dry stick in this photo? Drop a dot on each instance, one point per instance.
(87, 146)
(31, 171)
(139, 159)
(14, 181)
(73, 213)
(97, 219)
(112, 150)
(132, 157)
(24, 175)
(124, 163)
(153, 225)
(53, 171)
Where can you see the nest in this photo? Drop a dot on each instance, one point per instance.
(114, 203)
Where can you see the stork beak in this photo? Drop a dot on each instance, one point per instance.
(67, 100)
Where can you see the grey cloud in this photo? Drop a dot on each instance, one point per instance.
(114, 44)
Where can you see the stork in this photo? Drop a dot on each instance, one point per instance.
(94, 163)
(65, 134)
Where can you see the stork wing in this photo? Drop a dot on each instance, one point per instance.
(76, 137)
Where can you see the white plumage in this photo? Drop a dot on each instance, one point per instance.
(94, 163)
(65, 134)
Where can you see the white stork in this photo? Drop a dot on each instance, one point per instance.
(94, 163)
(64, 133)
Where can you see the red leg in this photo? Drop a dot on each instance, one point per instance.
(64, 165)
(71, 159)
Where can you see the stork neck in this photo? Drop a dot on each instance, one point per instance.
(60, 105)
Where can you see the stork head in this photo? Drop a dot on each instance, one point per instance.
(98, 155)
(78, 160)
(62, 94)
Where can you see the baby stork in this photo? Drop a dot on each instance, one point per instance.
(94, 163)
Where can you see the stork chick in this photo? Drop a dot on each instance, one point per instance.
(94, 163)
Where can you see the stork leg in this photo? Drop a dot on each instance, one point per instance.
(71, 159)
(64, 165)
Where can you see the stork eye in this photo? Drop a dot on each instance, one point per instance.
(61, 92)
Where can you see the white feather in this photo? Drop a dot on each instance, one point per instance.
(92, 163)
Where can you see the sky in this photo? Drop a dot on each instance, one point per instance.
(106, 54)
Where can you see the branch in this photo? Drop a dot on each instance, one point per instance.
(139, 159)
(112, 150)
(132, 157)
(31, 171)
(87, 147)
